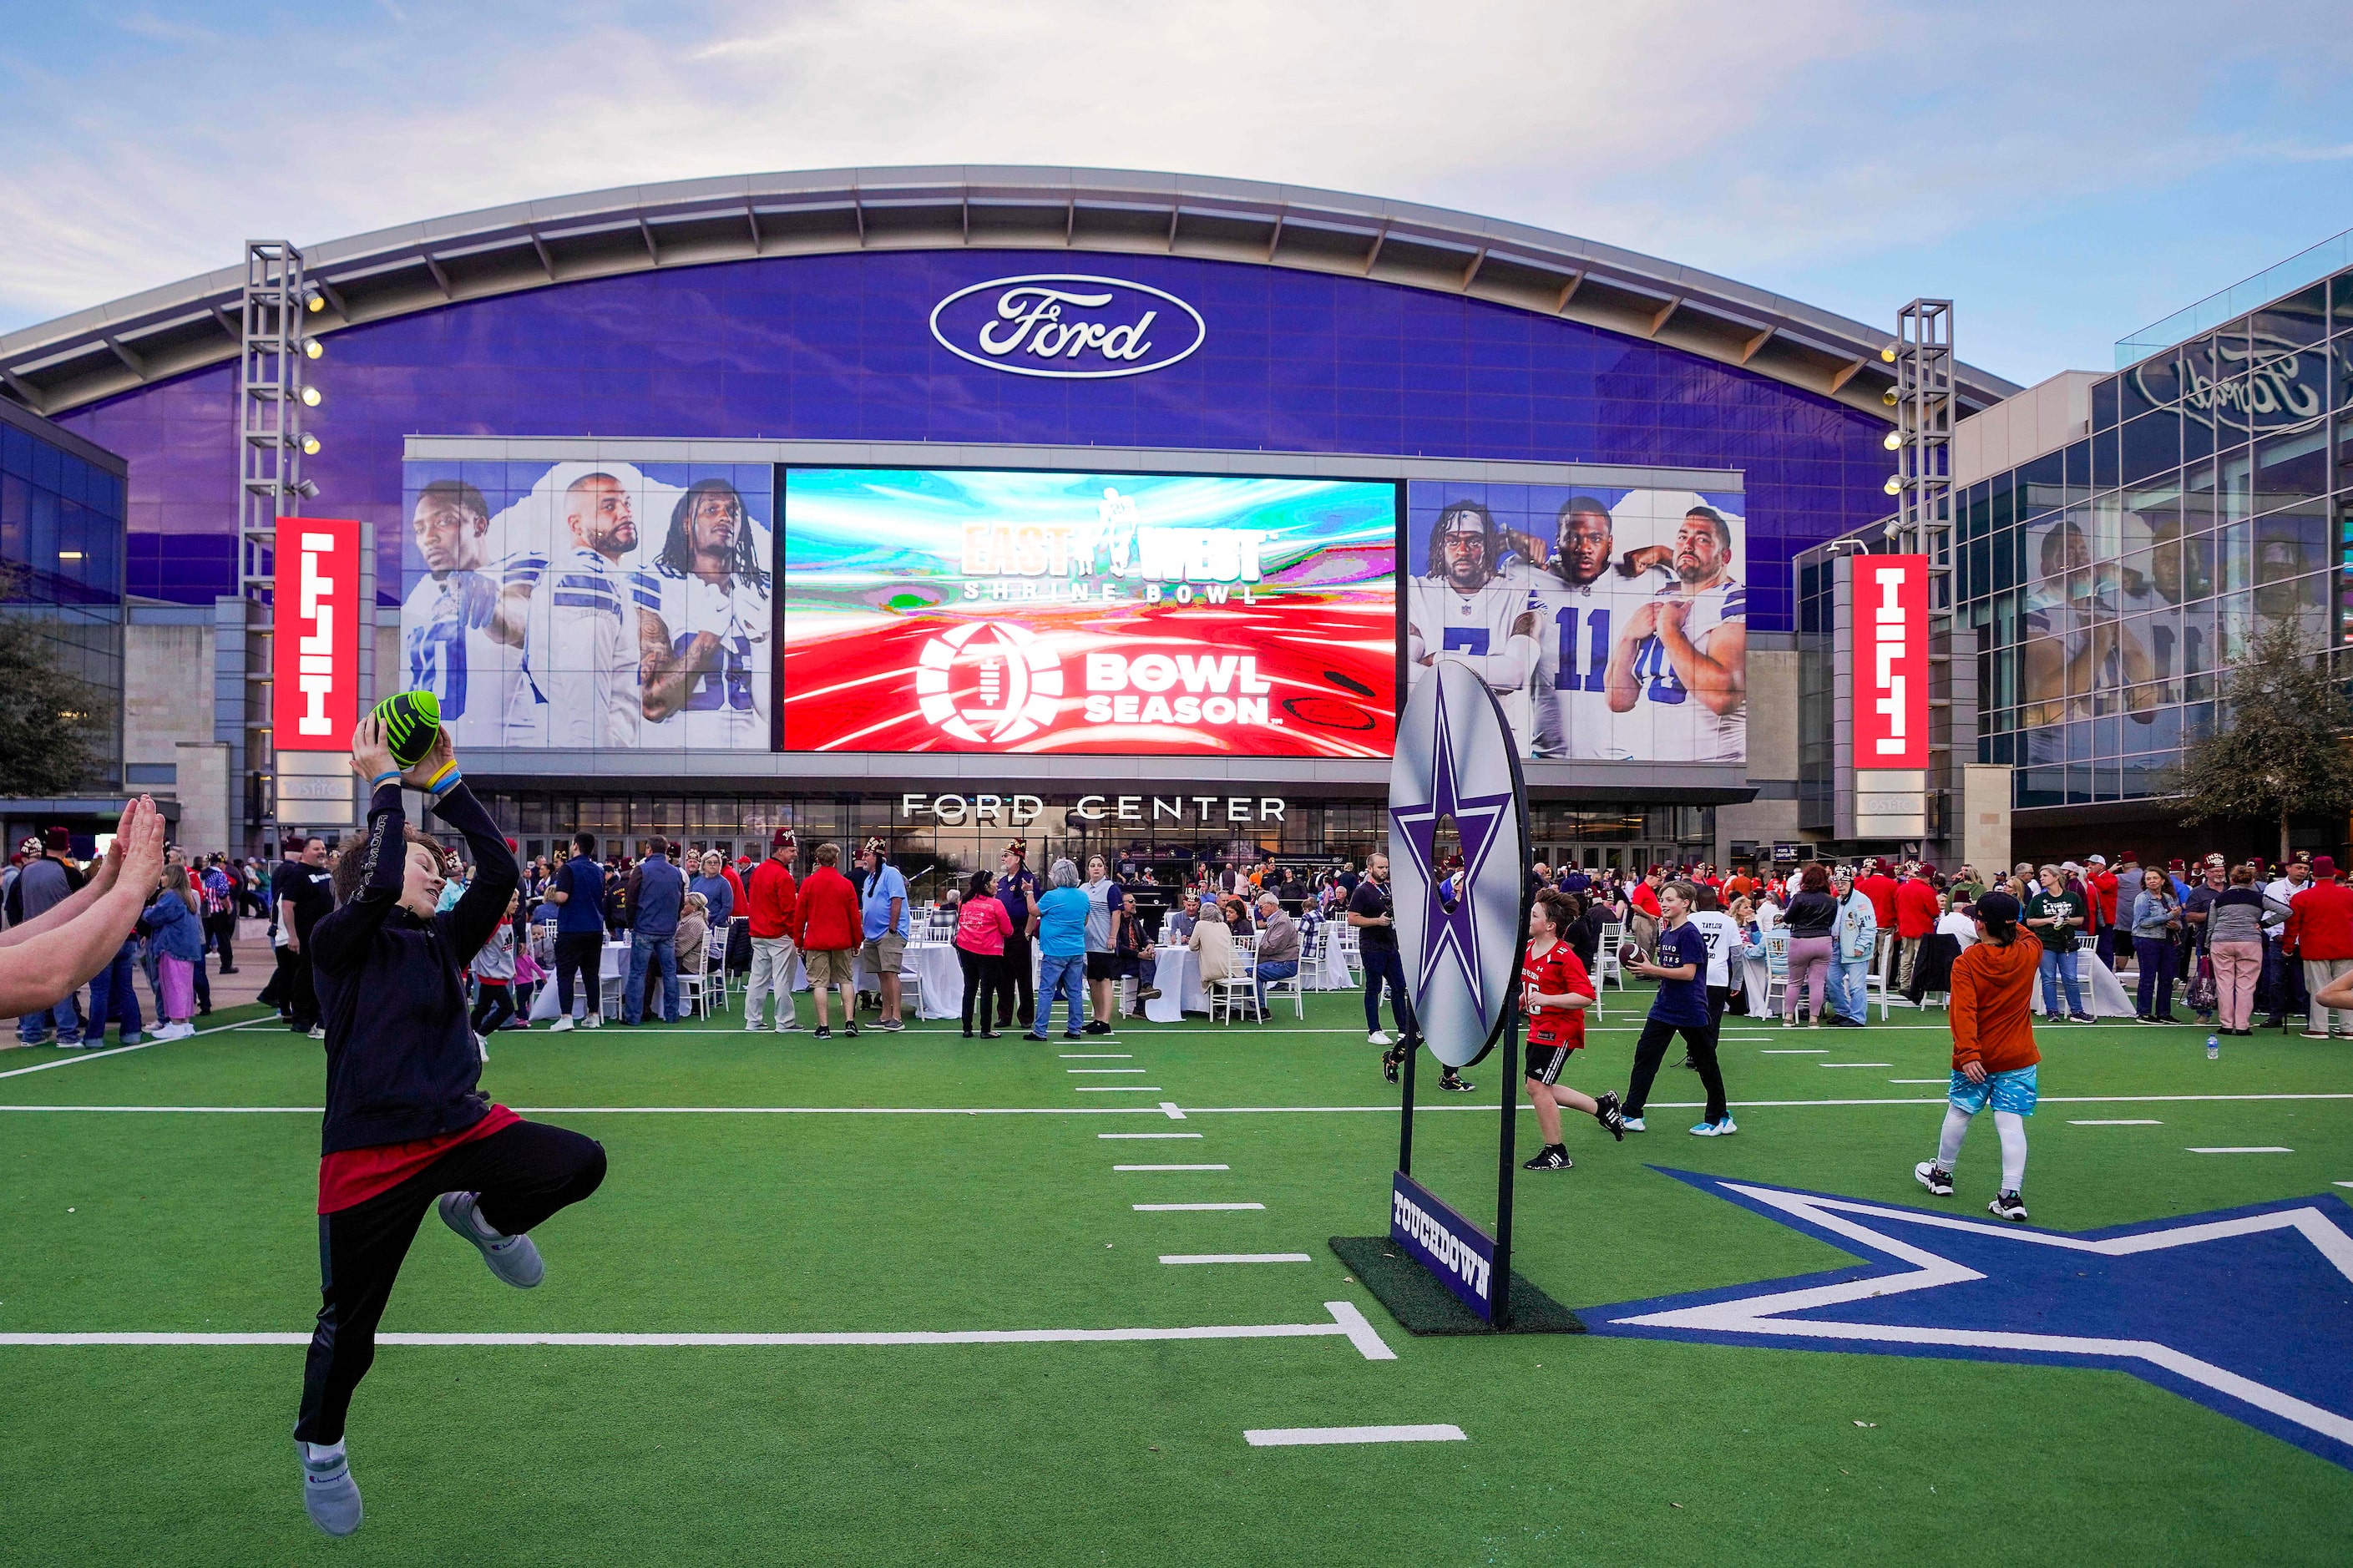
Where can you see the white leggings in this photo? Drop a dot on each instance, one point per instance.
(2009, 1123)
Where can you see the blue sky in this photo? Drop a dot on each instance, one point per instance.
(2066, 173)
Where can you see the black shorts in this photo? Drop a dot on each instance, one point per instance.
(1545, 1063)
(1102, 966)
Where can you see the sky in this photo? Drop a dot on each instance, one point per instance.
(2066, 173)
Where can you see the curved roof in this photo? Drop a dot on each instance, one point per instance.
(163, 332)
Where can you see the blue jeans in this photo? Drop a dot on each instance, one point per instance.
(1066, 978)
(1383, 964)
(2156, 954)
(111, 997)
(33, 1027)
(1281, 969)
(2059, 968)
(661, 953)
(1850, 988)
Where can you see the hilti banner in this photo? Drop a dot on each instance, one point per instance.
(1891, 661)
(315, 663)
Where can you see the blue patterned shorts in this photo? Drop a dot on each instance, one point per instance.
(2012, 1091)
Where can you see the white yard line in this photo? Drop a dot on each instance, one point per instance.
(1258, 1257)
(1796, 1051)
(2127, 1122)
(1172, 1167)
(1347, 1322)
(1919, 1080)
(1116, 1088)
(1190, 1208)
(1855, 1064)
(90, 1056)
(1301, 1437)
(2248, 1149)
(1147, 1134)
(1098, 1057)
(1137, 1070)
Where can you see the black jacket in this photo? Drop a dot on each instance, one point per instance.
(401, 1058)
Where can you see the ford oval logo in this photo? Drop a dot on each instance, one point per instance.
(1068, 325)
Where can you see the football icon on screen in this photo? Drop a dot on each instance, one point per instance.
(411, 719)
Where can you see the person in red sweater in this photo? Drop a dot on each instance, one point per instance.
(773, 903)
(829, 926)
(1915, 920)
(2320, 932)
(2100, 885)
(1877, 886)
(1642, 914)
(1994, 1056)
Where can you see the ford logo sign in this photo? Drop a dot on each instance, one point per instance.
(1068, 325)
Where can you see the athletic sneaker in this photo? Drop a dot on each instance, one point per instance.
(2009, 1206)
(1097, 1027)
(1070, 1035)
(2081, 1018)
(318, 1031)
(1714, 1128)
(563, 1024)
(1935, 1177)
(823, 1032)
(1376, 1039)
(512, 1258)
(890, 1025)
(850, 1029)
(1605, 1111)
(2315, 1034)
(594, 1021)
(330, 1496)
(1034, 1035)
(1633, 1124)
(1551, 1157)
(1454, 1085)
(1391, 1060)
(1840, 1021)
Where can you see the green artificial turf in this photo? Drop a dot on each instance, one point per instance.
(839, 1211)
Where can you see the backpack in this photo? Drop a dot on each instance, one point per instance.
(2202, 997)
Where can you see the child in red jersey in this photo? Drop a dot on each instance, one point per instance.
(1555, 991)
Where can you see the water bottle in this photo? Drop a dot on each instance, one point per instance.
(2213, 1048)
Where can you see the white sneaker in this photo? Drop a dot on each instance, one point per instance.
(512, 1258)
(596, 1021)
(318, 1031)
(328, 1494)
(1377, 1038)
(563, 1023)
(789, 1026)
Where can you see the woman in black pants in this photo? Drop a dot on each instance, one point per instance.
(982, 926)
(406, 1127)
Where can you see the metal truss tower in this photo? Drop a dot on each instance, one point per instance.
(269, 486)
(1922, 354)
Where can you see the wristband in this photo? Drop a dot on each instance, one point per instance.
(444, 781)
(382, 779)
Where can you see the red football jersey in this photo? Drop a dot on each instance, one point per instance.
(1557, 973)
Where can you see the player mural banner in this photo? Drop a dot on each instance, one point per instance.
(1612, 623)
(591, 604)
(982, 610)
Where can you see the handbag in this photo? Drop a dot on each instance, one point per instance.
(2202, 998)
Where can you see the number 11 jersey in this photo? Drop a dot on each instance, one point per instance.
(1576, 626)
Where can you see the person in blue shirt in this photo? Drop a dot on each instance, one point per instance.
(713, 885)
(578, 892)
(1680, 966)
(1061, 951)
(882, 902)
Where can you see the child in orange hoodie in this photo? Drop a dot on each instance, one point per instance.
(1993, 1050)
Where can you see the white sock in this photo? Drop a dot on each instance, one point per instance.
(2012, 1128)
(482, 1227)
(1948, 1143)
(323, 1455)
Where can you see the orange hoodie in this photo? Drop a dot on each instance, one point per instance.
(1993, 999)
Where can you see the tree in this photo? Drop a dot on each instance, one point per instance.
(50, 719)
(2275, 752)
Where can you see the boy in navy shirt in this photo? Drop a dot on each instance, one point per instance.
(1680, 966)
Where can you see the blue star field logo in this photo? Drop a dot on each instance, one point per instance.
(1449, 932)
(2249, 1311)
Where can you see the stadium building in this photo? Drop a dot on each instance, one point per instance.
(1117, 507)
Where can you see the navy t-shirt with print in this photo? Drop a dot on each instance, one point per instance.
(1682, 1001)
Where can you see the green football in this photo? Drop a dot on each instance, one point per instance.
(411, 719)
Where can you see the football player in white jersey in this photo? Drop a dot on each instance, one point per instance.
(716, 624)
(1467, 606)
(1683, 657)
(588, 629)
(1580, 599)
(460, 627)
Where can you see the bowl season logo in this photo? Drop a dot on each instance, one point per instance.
(1068, 325)
(988, 682)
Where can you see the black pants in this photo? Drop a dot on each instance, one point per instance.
(495, 1007)
(1382, 964)
(984, 987)
(582, 951)
(524, 1173)
(296, 1000)
(1652, 1049)
(1017, 988)
(223, 928)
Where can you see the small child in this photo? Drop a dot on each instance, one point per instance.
(494, 972)
(1994, 1056)
(1556, 990)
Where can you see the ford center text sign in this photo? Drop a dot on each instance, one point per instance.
(315, 657)
(1891, 664)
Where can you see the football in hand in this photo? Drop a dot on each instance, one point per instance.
(411, 719)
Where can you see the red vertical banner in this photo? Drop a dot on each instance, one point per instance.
(315, 662)
(1891, 661)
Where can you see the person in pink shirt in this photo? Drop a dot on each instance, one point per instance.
(982, 926)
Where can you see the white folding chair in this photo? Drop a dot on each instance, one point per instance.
(1294, 987)
(694, 982)
(1236, 991)
(1777, 968)
(1875, 982)
(1613, 937)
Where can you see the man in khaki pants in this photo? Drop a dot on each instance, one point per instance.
(774, 901)
(2320, 931)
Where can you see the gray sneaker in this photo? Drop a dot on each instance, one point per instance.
(328, 1494)
(512, 1258)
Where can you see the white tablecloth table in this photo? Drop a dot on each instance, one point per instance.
(612, 973)
(2104, 995)
(1329, 971)
(1177, 975)
(932, 962)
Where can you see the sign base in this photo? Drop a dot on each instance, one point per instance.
(1423, 1306)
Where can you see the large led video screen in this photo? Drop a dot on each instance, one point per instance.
(591, 604)
(1612, 624)
(1121, 614)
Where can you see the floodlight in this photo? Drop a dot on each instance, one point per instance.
(1894, 485)
(313, 397)
(310, 445)
(1894, 440)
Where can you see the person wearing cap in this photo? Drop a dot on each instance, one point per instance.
(2101, 889)
(2320, 933)
(882, 900)
(772, 898)
(1854, 943)
(1915, 920)
(2053, 912)
(2197, 911)
(1019, 889)
(827, 923)
(1994, 1054)
(578, 892)
(47, 881)
(2283, 983)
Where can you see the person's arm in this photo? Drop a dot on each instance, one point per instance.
(665, 677)
(2337, 993)
(48, 962)
(1963, 1016)
(286, 925)
(96, 887)
(484, 903)
(1618, 680)
(1718, 678)
(898, 905)
(555, 893)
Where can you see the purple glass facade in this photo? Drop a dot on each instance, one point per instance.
(839, 348)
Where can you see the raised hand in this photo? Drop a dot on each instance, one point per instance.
(429, 766)
(371, 753)
(142, 841)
